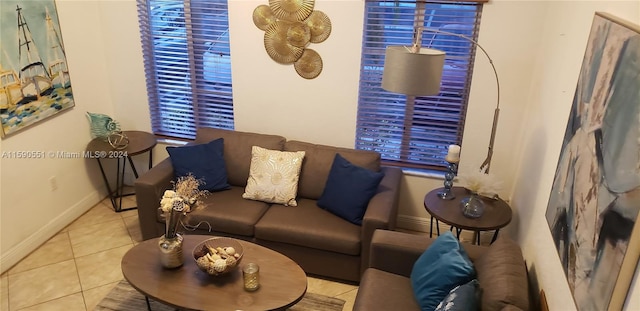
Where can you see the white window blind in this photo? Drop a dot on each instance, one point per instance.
(415, 132)
(187, 64)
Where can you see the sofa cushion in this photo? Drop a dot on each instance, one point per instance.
(461, 298)
(503, 276)
(273, 176)
(317, 164)
(203, 161)
(381, 290)
(310, 226)
(237, 149)
(227, 212)
(443, 266)
(349, 189)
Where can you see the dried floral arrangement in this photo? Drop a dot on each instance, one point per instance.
(480, 183)
(179, 201)
(185, 194)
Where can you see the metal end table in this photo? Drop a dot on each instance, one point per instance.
(497, 213)
(139, 143)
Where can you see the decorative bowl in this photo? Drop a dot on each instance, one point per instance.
(218, 256)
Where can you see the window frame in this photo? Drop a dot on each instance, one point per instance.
(187, 62)
(424, 145)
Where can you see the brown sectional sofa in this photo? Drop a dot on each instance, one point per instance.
(385, 284)
(319, 241)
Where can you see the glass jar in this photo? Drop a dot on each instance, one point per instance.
(171, 251)
(472, 206)
(251, 276)
(170, 244)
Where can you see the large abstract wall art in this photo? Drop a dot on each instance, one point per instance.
(595, 198)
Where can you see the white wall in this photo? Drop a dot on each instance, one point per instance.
(564, 36)
(272, 98)
(30, 212)
(127, 85)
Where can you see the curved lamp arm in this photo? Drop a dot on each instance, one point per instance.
(484, 167)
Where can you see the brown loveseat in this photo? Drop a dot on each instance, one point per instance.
(319, 241)
(385, 285)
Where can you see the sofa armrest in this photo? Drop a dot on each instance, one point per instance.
(150, 188)
(396, 252)
(382, 210)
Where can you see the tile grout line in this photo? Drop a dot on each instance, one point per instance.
(43, 302)
(75, 263)
(343, 293)
(66, 232)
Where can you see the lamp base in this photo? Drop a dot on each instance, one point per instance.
(446, 194)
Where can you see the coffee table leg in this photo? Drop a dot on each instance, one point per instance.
(146, 298)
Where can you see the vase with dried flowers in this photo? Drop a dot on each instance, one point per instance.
(175, 204)
(481, 185)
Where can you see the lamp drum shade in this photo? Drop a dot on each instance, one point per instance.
(416, 74)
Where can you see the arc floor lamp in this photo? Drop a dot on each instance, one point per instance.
(417, 71)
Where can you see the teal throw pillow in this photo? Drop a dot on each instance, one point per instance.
(443, 266)
(349, 189)
(203, 161)
(464, 297)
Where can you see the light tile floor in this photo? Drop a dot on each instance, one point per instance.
(76, 268)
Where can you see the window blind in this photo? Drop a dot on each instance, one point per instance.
(415, 132)
(187, 63)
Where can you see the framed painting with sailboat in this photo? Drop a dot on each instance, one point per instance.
(34, 78)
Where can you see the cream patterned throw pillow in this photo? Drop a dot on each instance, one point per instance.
(273, 176)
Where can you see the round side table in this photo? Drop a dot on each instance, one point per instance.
(139, 143)
(497, 213)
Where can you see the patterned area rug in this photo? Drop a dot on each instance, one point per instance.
(123, 297)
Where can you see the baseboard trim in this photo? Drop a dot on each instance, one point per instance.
(21, 250)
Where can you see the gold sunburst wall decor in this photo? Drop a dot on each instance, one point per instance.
(290, 26)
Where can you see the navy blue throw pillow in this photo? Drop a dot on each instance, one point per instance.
(349, 189)
(462, 298)
(443, 266)
(203, 161)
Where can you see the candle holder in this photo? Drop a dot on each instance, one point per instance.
(446, 193)
(251, 277)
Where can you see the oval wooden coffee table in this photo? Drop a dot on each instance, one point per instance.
(282, 281)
